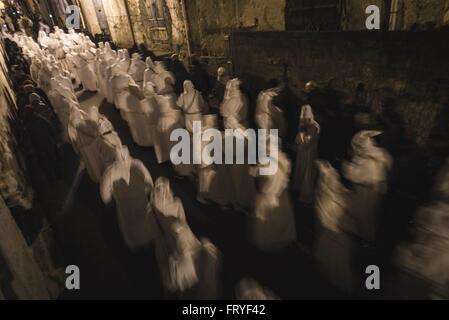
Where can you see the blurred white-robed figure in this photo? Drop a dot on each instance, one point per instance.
(189, 267)
(425, 259)
(137, 69)
(86, 140)
(234, 110)
(334, 246)
(268, 116)
(128, 182)
(170, 118)
(140, 114)
(214, 181)
(272, 223)
(192, 104)
(368, 171)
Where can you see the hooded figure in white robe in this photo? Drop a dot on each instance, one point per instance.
(368, 172)
(60, 79)
(43, 39)
(45, 76)
(268, 116)
(85, 63)
(54, 45)
(162, 79)
(426, 257)
(124, 60)
(87, 135)
(73, 68)
(108, 141)
(110, 71)
(105, 68)
(35, 67)
(137, 69)
(214, 181)
(149, 70)
(334, 246)
(62, 102)
(192, 104)
(272, 224)
(129, 183)
(100, 65)
(170, 118)
(119, 83)
(139, 114)
(307, 141)
(76, 115)
(108, 144)
(189, 267)
(234, 110)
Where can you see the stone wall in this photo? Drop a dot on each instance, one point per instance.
(178, 31)
(119, 26)
(411, 15)
(211, 22)
(396, 64)
(90, 16)
(433, 13)
(136, 19)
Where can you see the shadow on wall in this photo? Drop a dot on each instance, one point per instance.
(359, 68)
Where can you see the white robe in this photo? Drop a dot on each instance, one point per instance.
(368, 173)
(34, 71)
(169, 119)
(268, 116)
(87, 136)
(44, 78)
(131, 199)
(234, 110)
(163, 82)
(120, 90)
(62, 107)
(141, 118)
(214, 181)
(188, 266)
(136, 70)
(73, 69)
(108, 144)
(272, 224)
(426, 257)
(86, 71)
(193, 105)
(334, 248)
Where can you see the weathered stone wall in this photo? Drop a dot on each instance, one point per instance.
(211, 22)
(119, 27)
(178, 32)
(136, 19)
(412, 14)
(90, 16)
(434, 13)
(394, 64)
